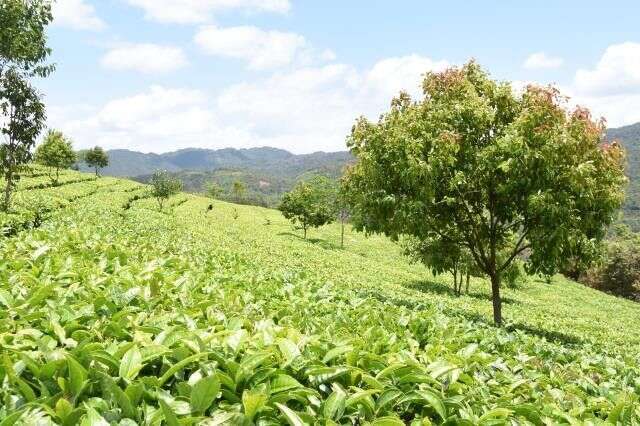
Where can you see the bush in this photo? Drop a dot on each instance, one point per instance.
(619, 271)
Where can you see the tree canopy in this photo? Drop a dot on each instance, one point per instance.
(55, 152)
(311, 203)
(97, 158)
(164, 186)
(23, 38)
(475, 165)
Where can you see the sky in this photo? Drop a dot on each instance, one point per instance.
(162, 75)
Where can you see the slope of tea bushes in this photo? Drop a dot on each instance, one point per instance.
(112, 312)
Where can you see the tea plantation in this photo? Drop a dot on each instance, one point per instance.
(112, 312)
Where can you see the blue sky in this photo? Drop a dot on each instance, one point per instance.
(159, 75)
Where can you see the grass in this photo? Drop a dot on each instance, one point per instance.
(130, 315)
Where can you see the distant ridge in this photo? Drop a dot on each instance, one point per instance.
(128, 163)
(268, 172)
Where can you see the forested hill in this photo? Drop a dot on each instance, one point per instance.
(270, 160)
(629, 136)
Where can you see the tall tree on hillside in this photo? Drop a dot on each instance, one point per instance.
(310, 203)
(97, 158)
(23, 52)
(56, 153)
(239, 189)
(482, 168)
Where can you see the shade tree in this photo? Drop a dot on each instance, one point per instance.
(24, 118)
(163, 186)
(310, 204)
(480, 167)
(56, 153)
(96, 158)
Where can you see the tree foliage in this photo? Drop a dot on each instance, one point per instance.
(97, 158)
(23, 38)
(164, 186)
(214, 191)
(24, 119)
(483, 169)
(23, 52)
(56, 153)
(310, 203)
(618, 271)
(239, 189)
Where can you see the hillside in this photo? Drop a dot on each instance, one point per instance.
(266, 172)
(115, 312)
(630, 138)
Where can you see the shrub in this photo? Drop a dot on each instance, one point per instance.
(619, 271)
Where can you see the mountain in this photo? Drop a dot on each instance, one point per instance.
(131, 163)
(266, 172)
(629, 136)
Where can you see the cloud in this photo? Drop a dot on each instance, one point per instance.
(392, 75)
(302, 110)
(541, 60)
(261, 49)
(76, 14)
(144, 58)
(201, 11)
(156, 120)
(616, 73)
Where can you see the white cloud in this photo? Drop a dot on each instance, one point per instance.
(76, 14)
(302, 110)
(616, 73)
(145, 58)
(200, 11)
(541, 60)
(157, 120)
(314, 108)
(392, 75)
(261, 49)
(611, 89)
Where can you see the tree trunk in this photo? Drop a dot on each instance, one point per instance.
(7, 192)
(96, 171)
(467, 287)
(304, 228)
(497, 301)
(455, 281)
(341, 232)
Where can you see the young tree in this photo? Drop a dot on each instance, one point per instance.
(239, 189)
(24, 116)
(23, 52)
(342, 211)
(442, 256)
(97, 158)
(164, 186)
(56, 153)
(310, 203)
(482, 168)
